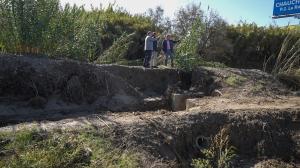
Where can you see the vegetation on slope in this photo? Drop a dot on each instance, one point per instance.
(219, 154)
(122, 49)
(63, 149)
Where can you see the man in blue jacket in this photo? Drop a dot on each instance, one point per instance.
(168, 48)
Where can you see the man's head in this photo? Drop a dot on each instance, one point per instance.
(154, 34)
(168, 37)
(150, 33)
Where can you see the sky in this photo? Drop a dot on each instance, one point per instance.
(233, 11)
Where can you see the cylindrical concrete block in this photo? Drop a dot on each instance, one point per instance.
(178, 102)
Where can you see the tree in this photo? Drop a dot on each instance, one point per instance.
(156, 15)
(213, 44)
(185, 18)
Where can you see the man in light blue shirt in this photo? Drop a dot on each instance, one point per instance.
(148, 48)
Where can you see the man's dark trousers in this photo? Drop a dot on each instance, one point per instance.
(148, 54)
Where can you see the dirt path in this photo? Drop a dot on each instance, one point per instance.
(235, 103)
(108, 119)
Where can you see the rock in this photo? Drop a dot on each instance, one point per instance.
(37, 102)
(136, 113)
(163, 112)
(216, 93)
(88, 152)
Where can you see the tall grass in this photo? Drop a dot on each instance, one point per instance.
(288, 59)
(287, 65)
(45, 27)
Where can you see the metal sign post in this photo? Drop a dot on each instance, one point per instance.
(286, 8)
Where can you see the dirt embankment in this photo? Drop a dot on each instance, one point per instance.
(41, 88)
(261, 115)
(34, 88)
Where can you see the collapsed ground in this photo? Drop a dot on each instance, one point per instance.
(131, 107)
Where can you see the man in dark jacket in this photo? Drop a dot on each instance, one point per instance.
(168, 48)
(154, 53)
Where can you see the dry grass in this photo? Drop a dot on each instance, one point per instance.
(288, 57)
(62, 149)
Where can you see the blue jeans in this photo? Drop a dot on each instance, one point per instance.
(148, 54)
(169, 54)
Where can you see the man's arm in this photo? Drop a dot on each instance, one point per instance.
(153, 39)
(176, 41)
(164, 46)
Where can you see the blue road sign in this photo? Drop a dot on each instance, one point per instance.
(286, 8)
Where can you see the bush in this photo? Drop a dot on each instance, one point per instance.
(187, 51)
(257, 47)
(241, 46)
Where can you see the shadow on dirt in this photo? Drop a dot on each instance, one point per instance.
(34, 89)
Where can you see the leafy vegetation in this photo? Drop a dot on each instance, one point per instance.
(259, 47)
(85, 148)
(45, 27)
(208, 38)
(187, 57)
(186, 52)
(219, 155)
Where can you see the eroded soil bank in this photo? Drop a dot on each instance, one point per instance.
(131, 106)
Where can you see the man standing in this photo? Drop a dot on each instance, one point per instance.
(154, 53)
(168, 48)
(148, 49)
